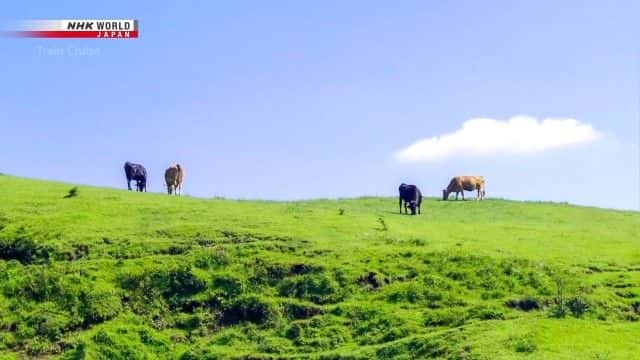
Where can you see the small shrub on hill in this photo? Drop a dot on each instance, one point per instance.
(294, 309)
(577, 305)
(446, 317)
(173, 284)
(73, 192)
(320, 333)
(487, 312)
(228, 286)
(383, 224)
(523, 343)
(318, 288)
(251, 309)
(212, 258)
(372, 280)
(524, 304)
(98, 303)
(20, 246)
(38, 284)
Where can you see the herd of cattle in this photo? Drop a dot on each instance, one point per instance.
(412, 197)
(409, 194)
(173, 177)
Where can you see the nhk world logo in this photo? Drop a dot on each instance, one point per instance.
(85, 29)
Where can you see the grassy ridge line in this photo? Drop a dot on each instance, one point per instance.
(536, 231)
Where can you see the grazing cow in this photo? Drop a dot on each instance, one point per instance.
(411, 196)
(174, 176)
(138, 173)
(460, 184)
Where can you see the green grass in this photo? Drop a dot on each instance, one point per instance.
(108, 274)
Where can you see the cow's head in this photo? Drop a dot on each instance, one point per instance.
(445, 194)
(412, 206)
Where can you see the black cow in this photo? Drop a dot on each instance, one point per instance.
(138, 173)
(412, 198)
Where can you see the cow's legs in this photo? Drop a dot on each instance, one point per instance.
(462, 192)
(129, 184)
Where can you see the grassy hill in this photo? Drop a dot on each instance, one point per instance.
(108, 274)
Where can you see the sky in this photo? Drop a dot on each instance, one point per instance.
(325, 99)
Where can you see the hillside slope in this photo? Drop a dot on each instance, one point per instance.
(111, 274)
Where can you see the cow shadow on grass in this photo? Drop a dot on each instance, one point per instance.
(389, 212)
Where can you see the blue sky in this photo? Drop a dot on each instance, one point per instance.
(291, 99)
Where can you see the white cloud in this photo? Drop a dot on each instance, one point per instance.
(485, 137)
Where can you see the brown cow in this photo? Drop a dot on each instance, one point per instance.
(460, 184)
(174, 176)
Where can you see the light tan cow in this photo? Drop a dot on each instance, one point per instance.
(174, 176)
(460, 184)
